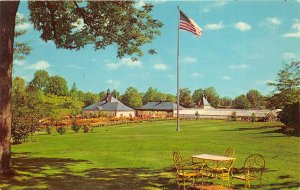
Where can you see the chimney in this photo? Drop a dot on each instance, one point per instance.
(108, 96)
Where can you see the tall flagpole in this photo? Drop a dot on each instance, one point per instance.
(177, 128)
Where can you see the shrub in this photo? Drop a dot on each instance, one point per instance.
(19, 130)
(253, 117)
(61, 130)
(48, 130)
(290, 116)
(86, 129)
(75, 126)
(197, 114)
(233, 116)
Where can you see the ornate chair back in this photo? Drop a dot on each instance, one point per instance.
(254, 166)
(229, 152)
(178, 162)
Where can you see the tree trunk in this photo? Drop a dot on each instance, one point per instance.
(8, 11)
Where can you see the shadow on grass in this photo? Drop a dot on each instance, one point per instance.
(64, 173)
(56, 173)
(277, 129)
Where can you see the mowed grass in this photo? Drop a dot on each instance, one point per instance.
(139, 156)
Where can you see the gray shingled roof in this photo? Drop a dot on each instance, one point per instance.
(112, 105)
(160, 106)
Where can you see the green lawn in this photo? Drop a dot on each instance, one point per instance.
(139, 156)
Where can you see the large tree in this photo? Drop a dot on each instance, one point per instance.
(40, 79)
(286, 96)
(118, 23)
(185, 98)
(57, 85)
(150, 95)
(287, 86)
(197, 95)
(241, 102)
(132, 98)
(256, 99)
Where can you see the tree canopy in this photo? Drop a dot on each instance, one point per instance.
(132, 98)
(185, 98)
(72, 24)
(287, 86)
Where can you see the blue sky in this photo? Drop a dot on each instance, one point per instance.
(243, 46)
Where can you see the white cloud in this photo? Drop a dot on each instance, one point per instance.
(113, 84)
(226, 77)
(112, 66)
(124, 62)
(190, 60)
(215, 26)
(296, 34)
(158, 1)
(240, 66)
(160, 67)
(40, 65)
(73, 66)
(215, 5)
(195, 75)
(19, 62)
(242, 26)
(272, 21)
(264, 82)
(20, 15)
(24, 26)
(290, 56)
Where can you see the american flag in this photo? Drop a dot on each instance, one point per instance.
(188, 24)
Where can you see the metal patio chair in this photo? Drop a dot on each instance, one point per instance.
(185, 176)
(253, 169)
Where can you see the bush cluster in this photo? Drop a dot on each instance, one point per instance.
(20, 130)
(86, 129)
(61, 130)
(75, 126)
(290, 116)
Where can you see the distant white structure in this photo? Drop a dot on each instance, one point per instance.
(262, 115)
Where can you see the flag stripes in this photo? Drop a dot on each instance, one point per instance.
(189, 25)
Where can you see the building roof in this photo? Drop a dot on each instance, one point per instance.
(109, 103)
(160, 106)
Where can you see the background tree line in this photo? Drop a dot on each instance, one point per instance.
(49, 97)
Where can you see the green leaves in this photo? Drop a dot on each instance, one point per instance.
(104, 23)
(21, 49)
(287, 86)
(132, 98)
